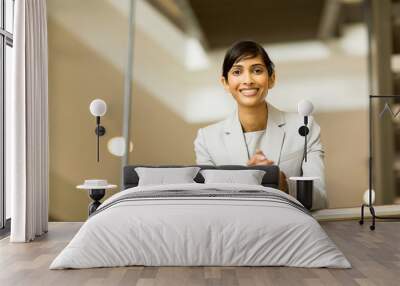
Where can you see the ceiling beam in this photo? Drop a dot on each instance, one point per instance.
(330, 18)
(192, 26)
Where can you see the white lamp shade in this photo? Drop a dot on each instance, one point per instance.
(98, 107)
(305, 107)
(366, 197)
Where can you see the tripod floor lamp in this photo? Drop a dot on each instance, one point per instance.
(370, 202)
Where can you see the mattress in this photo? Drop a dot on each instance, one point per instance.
(201, 225)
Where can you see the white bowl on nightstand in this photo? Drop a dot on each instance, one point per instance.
(95, 184)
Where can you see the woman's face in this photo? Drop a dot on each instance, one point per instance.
(248, 82)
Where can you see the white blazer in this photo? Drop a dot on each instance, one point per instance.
(223, 143)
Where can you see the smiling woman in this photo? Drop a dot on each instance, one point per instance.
(257, 133)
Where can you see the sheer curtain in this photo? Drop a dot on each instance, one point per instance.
(27, 124)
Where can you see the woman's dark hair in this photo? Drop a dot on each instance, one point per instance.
(242, 50)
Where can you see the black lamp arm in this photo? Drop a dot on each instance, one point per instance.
(303, 131)
(100, 131)
(305, 147)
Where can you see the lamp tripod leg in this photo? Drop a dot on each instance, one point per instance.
(372, 210)
(361, 221)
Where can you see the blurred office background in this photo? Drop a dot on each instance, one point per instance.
(319, 47)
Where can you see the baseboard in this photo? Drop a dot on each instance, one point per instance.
(355, 213)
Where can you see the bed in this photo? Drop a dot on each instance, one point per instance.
(198, 224)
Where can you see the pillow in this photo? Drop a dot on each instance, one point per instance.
(248, 177)
(164, 176)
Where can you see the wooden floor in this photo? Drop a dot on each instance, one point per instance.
(375, 257)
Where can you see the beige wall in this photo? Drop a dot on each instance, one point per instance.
(345, 138)
(78, 74)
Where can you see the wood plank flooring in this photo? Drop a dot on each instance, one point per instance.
(375, 257)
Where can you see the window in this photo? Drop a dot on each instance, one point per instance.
(6, 61)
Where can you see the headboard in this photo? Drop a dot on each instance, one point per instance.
(270, 179)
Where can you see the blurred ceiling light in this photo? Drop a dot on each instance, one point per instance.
(116, 146)
(195, 58)
(355, 40)
(298, 51)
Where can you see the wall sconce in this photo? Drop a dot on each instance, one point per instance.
(98, 108)
(305, 108)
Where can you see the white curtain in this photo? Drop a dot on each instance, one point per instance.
(27, 123)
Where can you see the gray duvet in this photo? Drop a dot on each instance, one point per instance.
(201, 224)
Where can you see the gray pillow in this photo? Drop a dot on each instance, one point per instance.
(165, 176)
(248, 177)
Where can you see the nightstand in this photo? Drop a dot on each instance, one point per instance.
(304, 190)
(96, 190)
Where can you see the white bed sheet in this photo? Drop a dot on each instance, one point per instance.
(200, 231)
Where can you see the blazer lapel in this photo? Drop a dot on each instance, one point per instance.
(272, 141)
(234, 140)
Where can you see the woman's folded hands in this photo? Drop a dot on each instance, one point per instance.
(259, 159)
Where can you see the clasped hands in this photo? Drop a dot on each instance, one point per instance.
(259, 159)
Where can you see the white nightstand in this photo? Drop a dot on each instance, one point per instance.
(97, 190)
